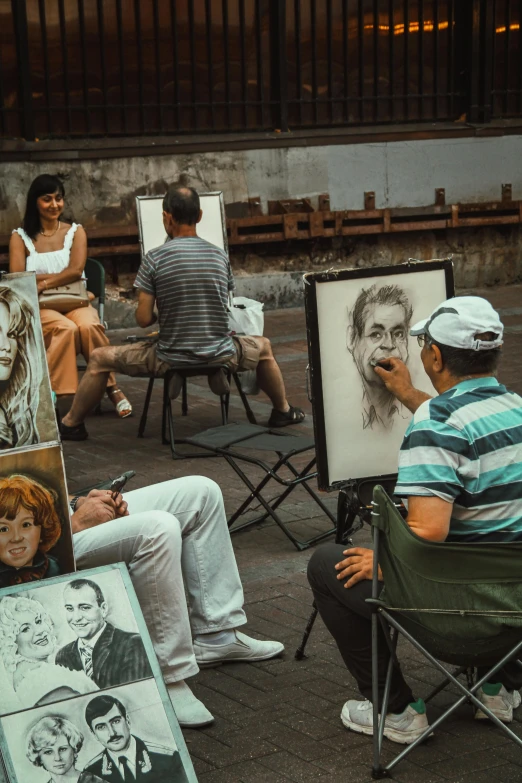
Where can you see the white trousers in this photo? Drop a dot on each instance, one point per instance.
(177, 548)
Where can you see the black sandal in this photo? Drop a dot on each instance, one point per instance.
(280, 419)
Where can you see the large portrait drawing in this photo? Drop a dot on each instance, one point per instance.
(26, 408)
(62, 640)
(120, 734)
(35, 528)
(357, 319)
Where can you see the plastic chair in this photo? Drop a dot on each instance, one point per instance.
(95, 274)
(457, 603)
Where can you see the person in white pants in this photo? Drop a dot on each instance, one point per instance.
(175, 541)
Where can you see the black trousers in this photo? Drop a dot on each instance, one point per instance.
(348, 618)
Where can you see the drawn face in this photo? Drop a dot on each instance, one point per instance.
(19, 539)
(83, 614)
(112, 730)
(8, 344)
(57, 757)
(385, 334)
(50, 205)
(34, 640)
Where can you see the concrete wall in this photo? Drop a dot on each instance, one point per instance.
(402, 174)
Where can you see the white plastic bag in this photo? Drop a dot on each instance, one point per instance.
(246, 317)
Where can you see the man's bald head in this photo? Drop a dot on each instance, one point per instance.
(183, 204)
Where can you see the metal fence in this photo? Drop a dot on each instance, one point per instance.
(142, 67)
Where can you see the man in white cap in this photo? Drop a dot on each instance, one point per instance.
(460, 469)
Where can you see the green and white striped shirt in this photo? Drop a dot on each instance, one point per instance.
(465, 446)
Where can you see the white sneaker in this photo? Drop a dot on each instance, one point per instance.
(500, 701)
(243, 648)
(190, 711)
(403, 728)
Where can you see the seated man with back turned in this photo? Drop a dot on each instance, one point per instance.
(460, 469)
(189, 280)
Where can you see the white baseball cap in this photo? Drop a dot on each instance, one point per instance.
(457, 321)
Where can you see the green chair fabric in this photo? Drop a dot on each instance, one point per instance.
(462, 601)
(95, 274)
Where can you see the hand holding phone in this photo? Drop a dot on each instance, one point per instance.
(117, 485)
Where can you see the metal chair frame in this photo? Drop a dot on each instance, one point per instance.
(167, 417)
(272, 473)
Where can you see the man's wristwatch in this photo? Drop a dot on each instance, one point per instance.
(73, 503)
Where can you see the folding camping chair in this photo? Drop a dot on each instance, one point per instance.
(226, 442)
(457, 603)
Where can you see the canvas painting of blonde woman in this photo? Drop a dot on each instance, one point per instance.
(26, 407)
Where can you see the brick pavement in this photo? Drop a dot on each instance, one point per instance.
(278, 721)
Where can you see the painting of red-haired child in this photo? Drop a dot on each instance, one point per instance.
(35, 530)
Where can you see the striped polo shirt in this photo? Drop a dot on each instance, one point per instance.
(190, 279)
(465, 446)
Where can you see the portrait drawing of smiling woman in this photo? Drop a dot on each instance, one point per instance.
(21, 372)
(30, 526)
(54, 743)
(28, 644)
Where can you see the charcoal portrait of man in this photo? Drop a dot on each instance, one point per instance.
(378, 327)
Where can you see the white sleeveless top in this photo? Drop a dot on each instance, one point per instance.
(52, 262)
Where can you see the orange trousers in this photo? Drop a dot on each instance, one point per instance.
(65, 336)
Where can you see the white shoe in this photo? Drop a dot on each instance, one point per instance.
(190, 711)
(502, 703)
(243, 648)
(403, 728)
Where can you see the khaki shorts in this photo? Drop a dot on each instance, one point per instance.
(140, 358)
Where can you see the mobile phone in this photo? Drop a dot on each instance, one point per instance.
(118, 484)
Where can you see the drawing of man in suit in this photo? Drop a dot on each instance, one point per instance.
(127, 758)
(105, 653)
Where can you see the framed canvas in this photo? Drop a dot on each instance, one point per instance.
(356, 317)
(35, 527)
(83, 697)
(26, 407)
(212, 227)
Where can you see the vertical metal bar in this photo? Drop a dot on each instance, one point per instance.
(507, 69)
(519, 69)
(25, 94)
(475, 107)
(45, 63)
(193, 70)
(85, 82)
(298, 59)
(244, 78)
(139, 62)
(259, 64)
(121, 59)
(375, 60)
(436, 60)
(157, 60)
(421, 59)
(391, 59)
(103, 63)
(360, 31)
(226, 59)
(405, 4)
(313, 33)
(487, 62)
(346, 62)
(3, 110)
(210, 61)
(329, 54)
(175, 63)
(279, 76)
(65, 64)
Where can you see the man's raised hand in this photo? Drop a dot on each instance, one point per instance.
(397, 379)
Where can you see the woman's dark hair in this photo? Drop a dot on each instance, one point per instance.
(461, 362)
(43, 184)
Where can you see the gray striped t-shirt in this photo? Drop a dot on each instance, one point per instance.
(190, 279)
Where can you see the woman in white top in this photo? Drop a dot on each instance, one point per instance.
(57, 252)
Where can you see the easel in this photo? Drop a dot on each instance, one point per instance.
(354, 506)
